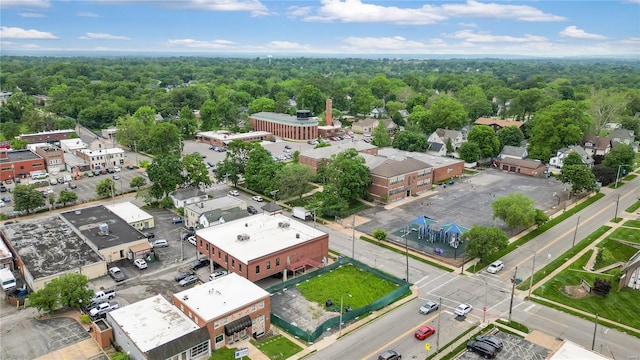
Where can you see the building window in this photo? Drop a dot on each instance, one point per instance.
(261, 305)
(206, 246)
(233, 263)
(257, 269)
(202, 348)
(219, 338)
(240, 266)
(216, 324)
(225, 320)
(226, 258)
(277, 262)
(253, 308)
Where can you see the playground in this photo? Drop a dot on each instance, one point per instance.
(423, 234)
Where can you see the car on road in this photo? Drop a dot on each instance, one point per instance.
(390, 355)
(177, 220)
(251, 210)
(257, 198)
(424, 332)
(189, 280)
(149, 235)
(485, 350)
(116, 274)
(140, 264)
(495, 266)
(182, 275)
(200, 263)
(491, 340)
(160, 243)
(463, 309)
(428, 307)
(234, 192)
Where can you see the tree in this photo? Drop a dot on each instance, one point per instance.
(484, 241)
(515, 209)
(27, 198)
(510, 135)
(573, 159)
(73, 290)
(475, 101)
(410, 141)
(137, 182)
(605, 106)
(348, 175)
(67, 196)
(541, 218)
(196, 170)
(469, 152)
(381, 136)
(363, 101)
(163, 138)
(380, 86)
(187, 123)
(622, 156)
(52, 200)
(235, 162)
(105, 188)
(486, 139)
(380, 234)
(261, 172)
(165, 173)
(46, 298)
(311, 98)
(604, 174)
(18, 144)
(446, 113)
(579, 176)
(601, 287)
(293, 180)
(262, 104)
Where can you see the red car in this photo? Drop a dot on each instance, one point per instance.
(424, 332)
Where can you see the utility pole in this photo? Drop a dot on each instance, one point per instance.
(438, 332)
(406, 250)
(353, 237)
(532, 267)
(513, 289)
(617, 203)
(135, 150)
(593, 343)
(575, 232)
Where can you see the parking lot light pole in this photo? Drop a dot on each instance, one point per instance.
(341, 311)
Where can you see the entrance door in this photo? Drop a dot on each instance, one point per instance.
(408, 192)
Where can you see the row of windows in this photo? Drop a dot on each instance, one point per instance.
(225, 320)
(424, 182)
(396, 190)
(396, 180)
(424, 172)
(55, 162)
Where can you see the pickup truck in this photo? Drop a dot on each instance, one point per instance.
(103, 309)
(101, 296)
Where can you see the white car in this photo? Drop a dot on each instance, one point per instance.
(140, 264)
(495, 266)
(463, 309)
(234, 192)
(192, 240)
(257, 198)
(116, 169)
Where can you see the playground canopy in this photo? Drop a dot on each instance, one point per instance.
(424, 221)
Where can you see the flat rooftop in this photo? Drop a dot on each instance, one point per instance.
(284, 119)
(49, 246)
(88, 220)
(266, 236)
(224, 202)
(221, 296)
(336, 148)
(153, 322)
(129, 212)
(433, 160)
(19, 155)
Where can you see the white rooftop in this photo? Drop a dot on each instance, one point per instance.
(153, 322)
(572, 351)
(224, 202)
(225, 294)
(433, 160)
(265, 235)
(129, 212)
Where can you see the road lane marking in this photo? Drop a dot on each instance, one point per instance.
(385, 346)
(529, 307)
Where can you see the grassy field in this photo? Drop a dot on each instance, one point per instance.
(626, 234)
(225, 353)
(277, 347)
(632, 223)
(363, 287)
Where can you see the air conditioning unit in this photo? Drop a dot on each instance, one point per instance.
(284, 224)
(243, 237)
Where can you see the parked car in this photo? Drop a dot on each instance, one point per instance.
(72, 185)
(177, 220)
(140, 264)
(429, 307)
(159, 243)
(495, 266)
(257, 198)
(116, 177)
(390, 355)
(234, 192)
(3, 188)
(217, 274)
(200, 263)
(116, 274)
(424, 332)
(116, 169)
(251, 210)
(53, 181)
(183, 274)
(491, 340)
(192, 240)
(6, 199)
(189, 280)
(103, 309)
(149, 235)
(463, 309)
(485, 350)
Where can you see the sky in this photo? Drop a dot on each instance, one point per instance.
(329, 28)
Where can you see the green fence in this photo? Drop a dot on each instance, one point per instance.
(403, 288)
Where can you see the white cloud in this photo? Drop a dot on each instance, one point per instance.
(255, 7)
(472, 37)
(191, 43)
(477, 9)
(354, 11)
(382, 44)
(31, 15)
(41, 4)
(574, 32)
(103, 36)
(298, 11)
(88, 14)
(469, 25)
(285, 45)
(19, 33)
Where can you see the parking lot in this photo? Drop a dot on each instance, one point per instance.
(515, 348)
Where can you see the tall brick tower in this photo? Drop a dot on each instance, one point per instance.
(328, 115)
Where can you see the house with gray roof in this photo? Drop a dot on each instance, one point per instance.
(516, 152)
(442, 136)
(207, 213)
(558, 160)
(624, 136)
(597, 145)
(184, 197)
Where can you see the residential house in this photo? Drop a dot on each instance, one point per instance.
(523, 166)
(515, 152)
(209, 212)
(153, 328)
(378, 113)
(442, 136)
(498, 124)
(558, 160)
(367, 125)
(184, 197)
(597, 145)
(230, 307)
(624, 136)
(404, 114)
(437, 148)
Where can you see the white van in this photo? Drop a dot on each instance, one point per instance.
(7, 279)
(217, 274)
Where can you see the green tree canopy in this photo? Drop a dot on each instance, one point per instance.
(515, 209)
(572, 159)
(446, 113)
(105, 188)
(381, 137)
(579, 176)
(196, 173)
(261, 171)
(484, 241)
(410, 141)
(293, 180)
(67, 196)
(137, 182)
(510, 135)
(348, 175)
(27, 198)
(469, 152)
(621, 156)
(235, 162)
(486, 139)
(164, 138)
(165, 174)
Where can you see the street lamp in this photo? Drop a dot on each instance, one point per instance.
(341, 311)
(274, 193)
(484, 309)
(617, 203)
(618, 174)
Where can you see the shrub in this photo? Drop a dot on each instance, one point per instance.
(85, 319)
(380, 234)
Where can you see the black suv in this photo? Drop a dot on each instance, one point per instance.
(200, 263)
(491, 340)
(252, 210)
(485, 350)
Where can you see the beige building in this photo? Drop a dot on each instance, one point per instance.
(215, 211)
(132, 215)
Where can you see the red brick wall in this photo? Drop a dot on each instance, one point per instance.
(443, 173)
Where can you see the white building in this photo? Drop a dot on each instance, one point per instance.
(72, 145)
(102, 158)
(132, 215)
(207, 213)
(155, 329)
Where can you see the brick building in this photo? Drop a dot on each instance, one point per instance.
(523, 166)
(47, 136)
(395, 180)
(314, 157)
(53, 156)
(300, 127)
(19, 164)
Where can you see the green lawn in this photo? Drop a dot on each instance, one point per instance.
(626, 234)
(633, 207)
(225, 353)
(630, 177)
(277, 347)
(632, 223)
(346, 280)
(612, 251)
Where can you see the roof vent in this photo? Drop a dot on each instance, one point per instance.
(297, 235)
(243, 237)
(104, 229)
(284, 224)
(78, 212)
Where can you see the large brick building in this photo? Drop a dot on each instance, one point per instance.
(19, 164)
(47, 136)
(300, 127)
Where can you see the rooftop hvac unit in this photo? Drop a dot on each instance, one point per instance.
(104, 228)
(284, 224)
(243, 237)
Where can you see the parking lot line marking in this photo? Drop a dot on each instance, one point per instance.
(529, 307)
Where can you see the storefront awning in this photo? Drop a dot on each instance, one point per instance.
(141, 249)
(237, 326)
